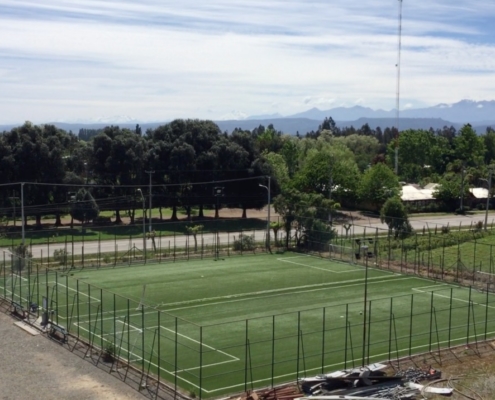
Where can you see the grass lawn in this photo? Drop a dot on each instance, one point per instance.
(218, 327)
(124, 231)
(473, 255)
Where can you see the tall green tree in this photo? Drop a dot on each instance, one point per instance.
(394, 214)
(378, 184)
(84, 207)
(469, 147)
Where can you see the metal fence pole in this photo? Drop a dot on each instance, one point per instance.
(486, 309)
(158, 361)
(323, 331)
(201, 361)
(246, 340)
(411, 324)
(469, 316)
(450, 315)
(176, 354)
(78, 313)
(273, 351)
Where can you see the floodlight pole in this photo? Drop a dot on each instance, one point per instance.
(22, 212)
(365, 309)
(144, 225)
(268, 189)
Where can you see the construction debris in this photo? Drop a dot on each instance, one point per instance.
(371, 382)
(362, 383)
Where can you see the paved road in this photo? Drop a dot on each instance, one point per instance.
(361, 226)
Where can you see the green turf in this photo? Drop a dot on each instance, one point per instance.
(250, 321)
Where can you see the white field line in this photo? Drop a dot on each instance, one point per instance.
(155, 365)
(75, 290)
(269, 291)
(448, 297)
(20, 277)
(7, 291)
(287, 260)
(330, 366)
(234, 358)
(121, 315)
(130, 326)
(361, 281)
(134, 328)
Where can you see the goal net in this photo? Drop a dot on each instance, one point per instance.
(344, 253)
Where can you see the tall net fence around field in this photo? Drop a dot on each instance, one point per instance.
(465, 255)
(65, 248)
(211, 360)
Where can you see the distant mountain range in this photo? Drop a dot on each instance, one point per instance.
(480, 114)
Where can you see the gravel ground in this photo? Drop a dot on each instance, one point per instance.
(34, 367)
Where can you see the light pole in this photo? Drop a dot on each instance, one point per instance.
(144, 226)
(462, 190)
(22, 213)
(330, 184)
(268, 217)
(149, 193)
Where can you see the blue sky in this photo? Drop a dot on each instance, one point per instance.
(158, 59)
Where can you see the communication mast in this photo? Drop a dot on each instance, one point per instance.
(397, 94)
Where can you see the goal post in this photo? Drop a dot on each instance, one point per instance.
(141, 302)
(344, 253)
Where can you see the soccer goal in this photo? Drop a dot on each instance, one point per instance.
(343, 253)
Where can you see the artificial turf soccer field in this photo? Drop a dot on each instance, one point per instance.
(252, 321)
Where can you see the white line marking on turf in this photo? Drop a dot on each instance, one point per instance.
(196, 341)
(287, 260)
(155, 365)
(287, 294)
(75, 290)
(269, 291)
(329, 367)
(448, 297)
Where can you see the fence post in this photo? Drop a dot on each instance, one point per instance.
(346, 334)
(273, 350)
(323, 341)
(486, 309)
(469, 316)
(78, 313)
(431, 322)
(411, 324)
(450, 315)
(390, 328)
(491, 258)
(158, 361)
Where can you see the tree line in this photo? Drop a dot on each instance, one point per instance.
(188, 159)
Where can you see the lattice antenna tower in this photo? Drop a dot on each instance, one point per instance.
(397, 93)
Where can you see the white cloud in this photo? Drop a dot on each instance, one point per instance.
(162, 59)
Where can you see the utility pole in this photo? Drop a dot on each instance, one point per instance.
(330, 184)
(397, 97)
(144, 227)
(462, 190)
(488, 196)
(149, 194)
(13, 200)
(22, 212)
(268, 190)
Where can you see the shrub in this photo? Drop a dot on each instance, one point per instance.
(61, 255)
(109, 354)
(245, 242)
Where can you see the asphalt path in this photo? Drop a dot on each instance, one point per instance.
(207, 241)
